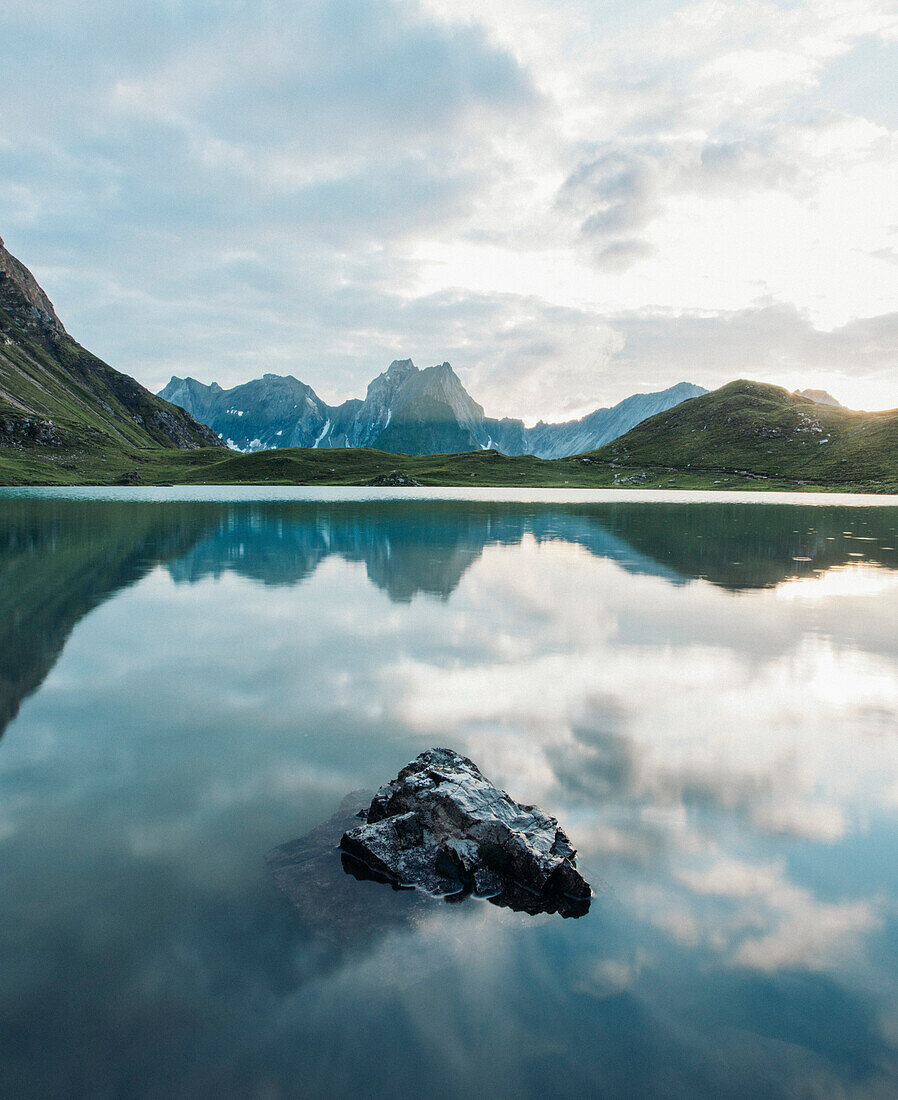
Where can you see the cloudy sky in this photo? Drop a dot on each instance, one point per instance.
(569, 200)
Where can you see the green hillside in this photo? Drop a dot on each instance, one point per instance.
(764, 432)
(361, 466)
(60, 401)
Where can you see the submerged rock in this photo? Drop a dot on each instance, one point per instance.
(322, 888)
(443, 827)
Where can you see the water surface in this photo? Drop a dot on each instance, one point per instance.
(703, 690)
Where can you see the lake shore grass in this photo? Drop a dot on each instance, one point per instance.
(39, 465)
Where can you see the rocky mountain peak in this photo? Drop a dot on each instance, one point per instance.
(383, 388)
(22, 296)
(819, 397)
(64, 398)
(401, 366)
(406, 410)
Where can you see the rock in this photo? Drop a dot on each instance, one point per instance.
(17, 430)
(393, 478)
(442, 827)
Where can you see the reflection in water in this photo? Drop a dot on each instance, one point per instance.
(713, 720)
(59, 559)
(323, 891)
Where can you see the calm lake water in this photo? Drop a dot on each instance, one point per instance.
(703, 691)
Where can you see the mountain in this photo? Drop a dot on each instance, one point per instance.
(820, 397)
(406, 410)
(604, 425)
(56, 398)
(766, 432)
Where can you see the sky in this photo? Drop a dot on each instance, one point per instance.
(570, 201)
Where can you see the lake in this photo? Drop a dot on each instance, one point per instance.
(702, 688)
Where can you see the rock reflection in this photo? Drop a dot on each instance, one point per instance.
(514, 897)
(310, 875)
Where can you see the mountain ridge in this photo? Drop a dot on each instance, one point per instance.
(405, 410)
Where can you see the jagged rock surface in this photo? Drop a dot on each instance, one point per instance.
(32, 308)
(819, 397)
(443, 827)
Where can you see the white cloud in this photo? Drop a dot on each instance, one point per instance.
(771, 924)
(381, 170)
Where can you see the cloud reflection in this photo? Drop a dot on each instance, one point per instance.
(722, 757)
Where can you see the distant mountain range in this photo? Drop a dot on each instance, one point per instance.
(66, 417)
(58, 398)
(406, 410)
(819, 397)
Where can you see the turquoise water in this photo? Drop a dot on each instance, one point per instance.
(704, 691)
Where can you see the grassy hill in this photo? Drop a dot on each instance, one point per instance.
(749, 429)
(60, 401)
(360, 466)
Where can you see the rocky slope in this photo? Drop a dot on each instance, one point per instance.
(406, 410)
(55, 396)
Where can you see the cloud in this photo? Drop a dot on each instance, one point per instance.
(623, 185)
(797, 930)
(543, 195)
(621, 254)
(773, 342)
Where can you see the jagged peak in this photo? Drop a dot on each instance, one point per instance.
(819, 397)
(40, 312)
(189, 380)
(401, 366)
(440, 371)
(283, 378)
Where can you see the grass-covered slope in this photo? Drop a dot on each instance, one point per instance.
(58, 398)
(748, 428)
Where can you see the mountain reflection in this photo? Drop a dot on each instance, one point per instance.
(58, 561)
(720, 745)
(412, 547)
(61, 558)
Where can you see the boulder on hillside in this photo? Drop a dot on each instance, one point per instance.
(395, 478)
